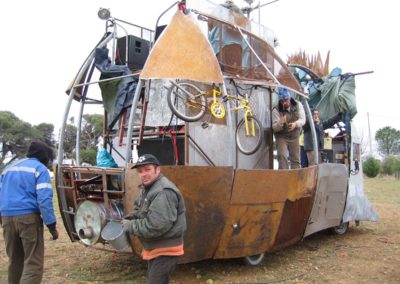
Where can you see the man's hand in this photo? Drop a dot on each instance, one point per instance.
(54, 234)
(130, 216)
(282, 119)
(292, 126)
(126, 224)
(53, 231)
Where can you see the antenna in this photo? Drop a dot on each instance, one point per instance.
(249, 9)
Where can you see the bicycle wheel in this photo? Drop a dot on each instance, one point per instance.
(187, 101)
(248, 144)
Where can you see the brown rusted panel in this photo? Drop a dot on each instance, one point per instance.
(206, 191)
(269, 186)
(132, 183)
(182, 52)
(294, 220)
(249, 230)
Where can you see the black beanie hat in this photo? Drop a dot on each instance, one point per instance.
(40, 151)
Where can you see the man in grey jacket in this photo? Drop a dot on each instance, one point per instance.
(158, 219)
(287, 120)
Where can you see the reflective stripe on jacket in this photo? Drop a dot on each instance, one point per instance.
(25, 188)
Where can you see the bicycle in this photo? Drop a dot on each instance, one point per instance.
(189, 103)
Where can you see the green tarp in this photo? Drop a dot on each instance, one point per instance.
(337, 94)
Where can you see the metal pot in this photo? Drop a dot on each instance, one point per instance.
(114, 234)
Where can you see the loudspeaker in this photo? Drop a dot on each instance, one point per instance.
(138, 51)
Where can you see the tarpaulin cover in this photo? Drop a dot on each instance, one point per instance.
(117, 94)
(337, 94)
(105, 160)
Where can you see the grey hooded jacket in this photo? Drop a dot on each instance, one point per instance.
(159, 215)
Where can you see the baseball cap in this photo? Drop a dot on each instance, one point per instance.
(146, 159)
(283, 94)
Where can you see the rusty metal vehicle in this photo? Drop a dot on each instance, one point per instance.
(238, 205)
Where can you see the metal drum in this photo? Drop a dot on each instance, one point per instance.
(91, 217)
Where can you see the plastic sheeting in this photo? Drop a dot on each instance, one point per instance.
(117, 94)
(337, 95)
(105, 160)
(358, 208)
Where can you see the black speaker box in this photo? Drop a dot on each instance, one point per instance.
(138, 51)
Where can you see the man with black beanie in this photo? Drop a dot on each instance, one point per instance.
(26, 202)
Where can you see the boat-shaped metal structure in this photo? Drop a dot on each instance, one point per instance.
(238, 205)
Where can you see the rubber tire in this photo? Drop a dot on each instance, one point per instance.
(171, 103)
(254, 260)
(258, 144)
(341, 229)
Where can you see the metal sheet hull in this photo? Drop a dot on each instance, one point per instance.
(236, 213)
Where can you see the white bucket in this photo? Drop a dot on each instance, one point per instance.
(113, 233)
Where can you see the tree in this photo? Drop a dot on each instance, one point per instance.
(389, 165)
(69, 140)
(371, 167)
(388, 140)
(46, 131)
(92, 129)
(89, 156)
(15, 134)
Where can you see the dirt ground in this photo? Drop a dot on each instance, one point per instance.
(369, 253)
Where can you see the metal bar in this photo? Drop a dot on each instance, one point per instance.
(126, 43)
(79, 122)
(134, 25)
(256, 55)
(158, 19)
(128, 154)
(72, 94)
(201, 151)
(60, 153)
(312, 128)
(114, 191)
(109, 79)
(233, 154)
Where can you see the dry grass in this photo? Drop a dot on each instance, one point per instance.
(369, 253)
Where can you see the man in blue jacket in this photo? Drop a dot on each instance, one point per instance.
(26, 201)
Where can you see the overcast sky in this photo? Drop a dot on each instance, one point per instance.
(45, 42)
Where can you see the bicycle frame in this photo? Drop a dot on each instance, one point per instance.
(245, 105)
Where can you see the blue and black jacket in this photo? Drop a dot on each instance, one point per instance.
(25, 188)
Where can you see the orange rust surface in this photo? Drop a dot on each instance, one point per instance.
(132, 183)
(268, 186)
(249, 230)
(206, 191)
(182, 52)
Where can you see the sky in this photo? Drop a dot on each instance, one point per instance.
(45, 42)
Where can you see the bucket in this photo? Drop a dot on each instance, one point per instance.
(114, 234)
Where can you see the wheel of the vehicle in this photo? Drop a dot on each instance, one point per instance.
(254, 259)
(341, 229)
(248, 144)
(187, 101)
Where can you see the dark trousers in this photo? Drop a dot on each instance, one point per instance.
(303, 157)
(23, 236)
(159, 269)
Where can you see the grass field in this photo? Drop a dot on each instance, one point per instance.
(369, 253)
